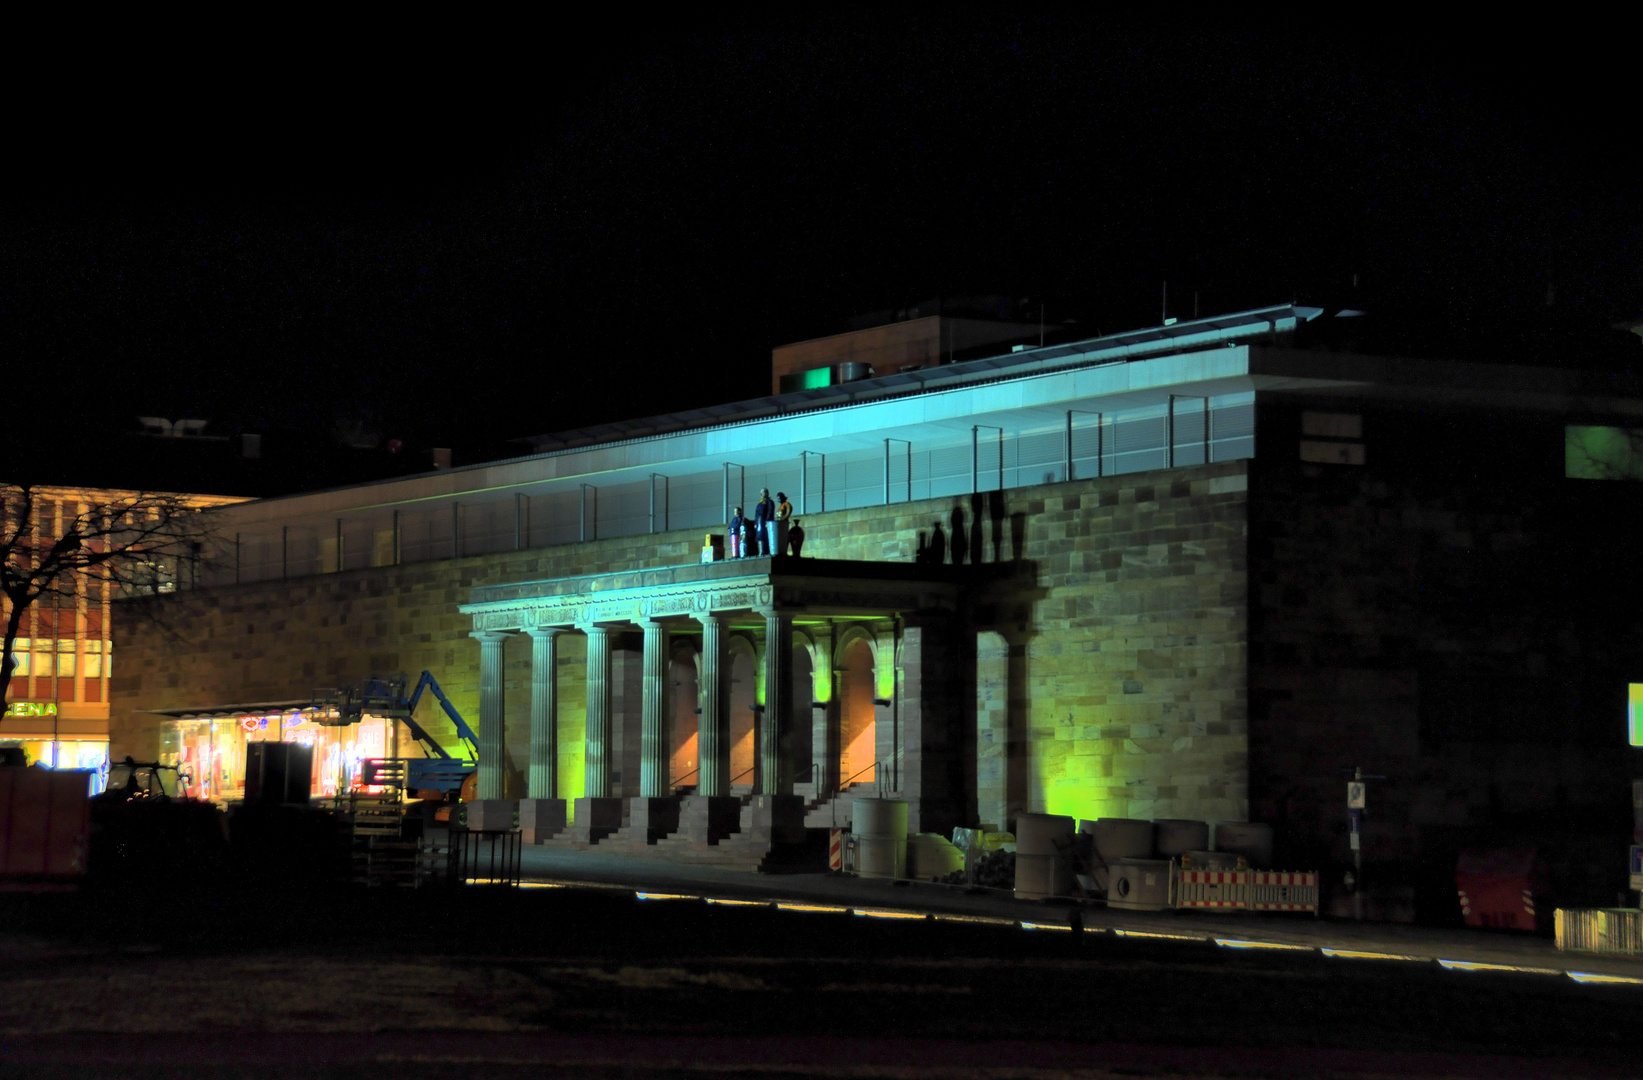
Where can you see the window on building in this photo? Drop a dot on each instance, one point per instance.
(94, 659)
(65, 658)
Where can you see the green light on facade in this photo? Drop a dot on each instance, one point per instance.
(1602, 453)
(1634, 714)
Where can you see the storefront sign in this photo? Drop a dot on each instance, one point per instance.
(31, 708)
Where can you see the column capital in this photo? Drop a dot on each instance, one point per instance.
(490, 635)
(545, 631)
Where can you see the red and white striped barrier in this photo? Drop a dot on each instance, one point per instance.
(835, 849)
(1212, 889)
(1247, 890)
(1278, 890)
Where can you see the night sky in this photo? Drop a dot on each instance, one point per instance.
(467, 239)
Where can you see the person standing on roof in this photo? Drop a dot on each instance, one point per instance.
(735, 537)
(778, 528)
(764, 513)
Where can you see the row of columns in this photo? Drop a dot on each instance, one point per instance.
(713, 739)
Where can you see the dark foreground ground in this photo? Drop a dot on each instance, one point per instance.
(595, 982)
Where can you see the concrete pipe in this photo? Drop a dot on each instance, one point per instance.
(880, 829)
(1250, 839)
(1114, 839)
(1043, 856)
(1177, 836)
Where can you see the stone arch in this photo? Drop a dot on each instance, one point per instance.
(855, 667)
(743, 721)
(684, 667)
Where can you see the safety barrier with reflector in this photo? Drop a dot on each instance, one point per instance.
(1616, 931)
(1247, 890)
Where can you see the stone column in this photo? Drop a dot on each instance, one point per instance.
(654, 812)
(777, 722)
(491, 811)
(544, 774)
(542, 813)
(712, 813)
(653, 736)
(713, 729)
(492, 723)
(777, 816)
(597, 814)
(597, 748)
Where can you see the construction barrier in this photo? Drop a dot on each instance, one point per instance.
(1247, 890)
(1615, 931)
(1212, 889)
(1277, 890)
(835, 849)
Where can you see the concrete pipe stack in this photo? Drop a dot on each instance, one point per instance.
(1249, 839)
(1172, 837)
(880, 830)
(1114, 839)
(1043, 856)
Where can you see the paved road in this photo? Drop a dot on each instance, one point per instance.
(597, 982)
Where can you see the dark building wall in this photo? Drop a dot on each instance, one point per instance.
(1453, 614)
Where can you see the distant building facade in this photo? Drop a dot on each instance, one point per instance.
(58, 699)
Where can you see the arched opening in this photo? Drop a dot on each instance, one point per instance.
(858, 730)
(743, 720)
(683, 762)
(800, 713)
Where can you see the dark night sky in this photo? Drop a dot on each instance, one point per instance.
(463, 239)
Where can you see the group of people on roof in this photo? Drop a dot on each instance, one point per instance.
(772, 530)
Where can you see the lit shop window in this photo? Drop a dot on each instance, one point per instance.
(94, 659)
(20, 657)
(65, 658)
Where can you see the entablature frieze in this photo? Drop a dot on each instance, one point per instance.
(632, 605)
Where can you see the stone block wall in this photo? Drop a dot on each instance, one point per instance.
(1104, 637)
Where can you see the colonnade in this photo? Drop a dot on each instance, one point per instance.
(774, 775)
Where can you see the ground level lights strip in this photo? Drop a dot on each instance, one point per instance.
(1587, 978)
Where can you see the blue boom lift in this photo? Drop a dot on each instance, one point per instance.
(439, 770)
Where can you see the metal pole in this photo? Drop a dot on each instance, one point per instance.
(1169, 433)
(518, 521)
(725, 514)
(1068, 446)
(804, 482)
(975, 435)
(396, 538)
(909, 470)
(652, 486)
(1001, 459)
(887, 472)
(1209, 432)
(584, 511)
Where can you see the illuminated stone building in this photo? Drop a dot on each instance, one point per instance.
(1193, 571)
